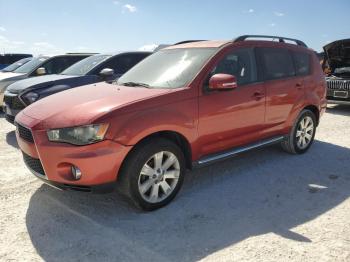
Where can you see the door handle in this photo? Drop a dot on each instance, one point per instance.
(258, 95)
(299, 85)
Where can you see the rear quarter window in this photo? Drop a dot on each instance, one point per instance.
(277, 63)
(302, 63)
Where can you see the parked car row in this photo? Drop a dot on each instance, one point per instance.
(93, 69)
(38, 66)
(184, 106)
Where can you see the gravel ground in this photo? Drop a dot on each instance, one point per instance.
(264, 205)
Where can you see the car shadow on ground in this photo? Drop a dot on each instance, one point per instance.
(343, 110)
(11, 139)
(260, 192)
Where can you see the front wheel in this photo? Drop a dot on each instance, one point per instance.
(302, 134)
(153, 174)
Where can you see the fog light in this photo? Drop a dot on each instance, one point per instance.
(76, 172)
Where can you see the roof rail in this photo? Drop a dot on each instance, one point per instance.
(188, 41)
(280, 39)
(80, 53)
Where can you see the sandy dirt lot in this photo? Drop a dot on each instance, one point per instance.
(264, 205)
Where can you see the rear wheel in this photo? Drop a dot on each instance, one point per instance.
(302, 134)
(153, 174)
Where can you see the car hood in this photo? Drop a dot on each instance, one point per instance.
(338, 53)
(85, 104)
(8, 78)
(38, 82)
(7, 75)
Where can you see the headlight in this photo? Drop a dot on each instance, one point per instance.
(30, 97)
(81, 135)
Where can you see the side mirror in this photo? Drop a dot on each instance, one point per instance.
(106, 72)
(41, 71)
(222, 82)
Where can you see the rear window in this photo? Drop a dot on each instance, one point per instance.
(302, 63)
(277, 63)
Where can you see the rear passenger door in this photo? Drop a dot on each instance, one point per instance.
(283, 88)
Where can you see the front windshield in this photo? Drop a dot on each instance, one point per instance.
(169, 68)
(30, 66)
(16, 65)
(84, 66)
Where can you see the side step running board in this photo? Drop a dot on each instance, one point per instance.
(221, 156)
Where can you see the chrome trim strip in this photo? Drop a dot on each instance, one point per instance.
(239, 150)
(336, 102)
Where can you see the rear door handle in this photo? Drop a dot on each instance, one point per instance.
(258, 95)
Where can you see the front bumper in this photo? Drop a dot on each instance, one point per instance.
(51, 162)
(10, 114)
(97, 189)
(12, 105)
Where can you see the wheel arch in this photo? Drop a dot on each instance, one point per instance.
(173, 136)
(314, 109)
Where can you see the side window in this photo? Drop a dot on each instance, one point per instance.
(121, 64)
(57, 64)
(302, 63)
(240, 63)
(277, 63)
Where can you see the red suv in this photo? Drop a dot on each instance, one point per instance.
(187, 105)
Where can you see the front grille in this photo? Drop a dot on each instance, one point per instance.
(10, 118)
(25, 133)
(14, 102)
(338, 84)
(34, 164)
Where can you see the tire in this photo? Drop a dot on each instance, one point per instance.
(145, 177)
(301, 130)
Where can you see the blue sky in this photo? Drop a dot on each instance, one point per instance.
(52, 26)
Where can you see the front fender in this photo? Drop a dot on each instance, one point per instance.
(130, 128)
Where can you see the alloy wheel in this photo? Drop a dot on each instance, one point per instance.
(159, 177)
(305, 132)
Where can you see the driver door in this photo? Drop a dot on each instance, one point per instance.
(233, 117)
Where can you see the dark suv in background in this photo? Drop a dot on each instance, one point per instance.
(97, 68)
(8, 59)
(337, 62)
(42, 65)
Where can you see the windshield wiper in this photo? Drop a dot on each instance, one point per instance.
(134, 84)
